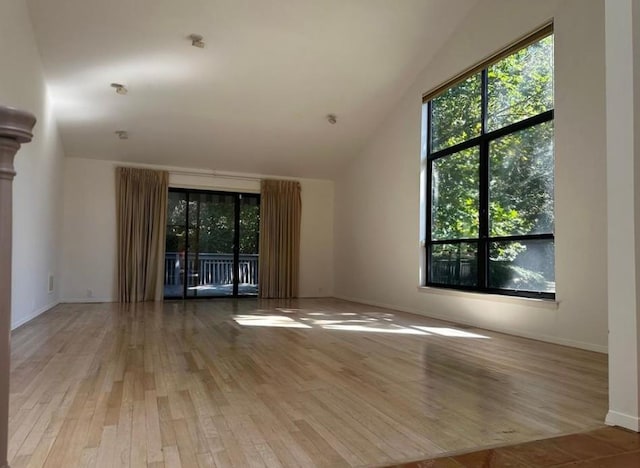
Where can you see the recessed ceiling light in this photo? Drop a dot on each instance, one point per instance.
(120, 88)
(332, 119)
(122, 134)
(197, 40)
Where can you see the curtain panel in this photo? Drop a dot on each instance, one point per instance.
(280, 214)
(141, 199)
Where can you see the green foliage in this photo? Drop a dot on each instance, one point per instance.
(456, 114)
(249, 227)
(456, 196)
(506, 275)
(521, 185)
(521, 85)
(216, 216)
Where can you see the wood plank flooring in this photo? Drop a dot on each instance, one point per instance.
(305, 383)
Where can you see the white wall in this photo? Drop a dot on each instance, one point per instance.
(37, 188)
(378, 194)
(89, 232)
(623, 200)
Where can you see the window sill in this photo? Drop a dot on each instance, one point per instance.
(524, 301)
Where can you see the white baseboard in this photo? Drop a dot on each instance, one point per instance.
(523, 334)
(86, 300)
(33, 315)
(623, 420)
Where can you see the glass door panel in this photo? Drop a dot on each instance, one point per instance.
(176, 245)
(212, 244)
(191, 266)
(249, 238)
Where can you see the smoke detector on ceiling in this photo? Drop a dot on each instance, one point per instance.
(332, 119)
(120, 88)
(197, 41)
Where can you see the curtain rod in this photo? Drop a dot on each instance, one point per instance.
(217, 175)
(228, 175)
(173, 170)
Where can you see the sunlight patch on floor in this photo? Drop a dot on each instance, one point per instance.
(362, 328)
(268, 321)
(370, 323)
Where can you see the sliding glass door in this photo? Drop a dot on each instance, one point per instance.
(212, 244)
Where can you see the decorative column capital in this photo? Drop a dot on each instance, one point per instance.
(15, 129)
(16, 124)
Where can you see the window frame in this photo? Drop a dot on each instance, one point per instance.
(483, 141)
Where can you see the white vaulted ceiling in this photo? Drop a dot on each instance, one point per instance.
(255, 99)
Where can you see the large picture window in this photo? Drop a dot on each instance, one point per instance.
(490, 175)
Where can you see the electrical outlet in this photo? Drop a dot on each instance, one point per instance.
(89, 293)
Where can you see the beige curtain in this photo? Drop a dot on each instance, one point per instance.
(280, 212)
(142, 196)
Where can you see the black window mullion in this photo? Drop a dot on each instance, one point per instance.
(484, 101)
(522, 237)
(483, 248)
(196, 253)
(546, 116)
(187, 247)
(475, 141)
(521, 293)
(483, 244)
(529, 122)
(236, 245)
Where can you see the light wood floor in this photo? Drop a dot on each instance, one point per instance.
(265, 383)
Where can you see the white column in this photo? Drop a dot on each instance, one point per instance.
(15, 129)
(623, 210)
